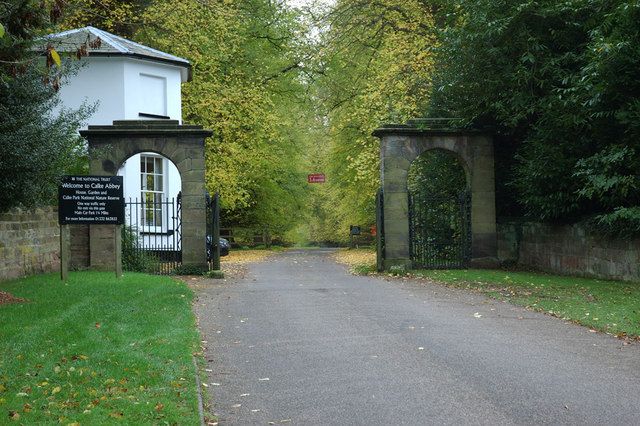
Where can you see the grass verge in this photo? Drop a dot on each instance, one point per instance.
(96, 350)
(361, 261)
(608, 306)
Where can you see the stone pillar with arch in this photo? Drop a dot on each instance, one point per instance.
(111, 145)
(400, 146)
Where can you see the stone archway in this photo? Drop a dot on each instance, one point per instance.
(400, 146)
(110, 146)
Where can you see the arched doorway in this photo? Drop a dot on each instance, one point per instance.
(400, 145)
(439, 211)
(183, 145)
(153, 209)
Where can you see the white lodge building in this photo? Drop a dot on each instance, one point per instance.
(129, 81)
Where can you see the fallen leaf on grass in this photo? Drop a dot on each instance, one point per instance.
(159, 406)
(116, 414)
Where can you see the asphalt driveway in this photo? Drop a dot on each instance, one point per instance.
(300, 341)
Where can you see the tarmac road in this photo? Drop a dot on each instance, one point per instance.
(300, 341)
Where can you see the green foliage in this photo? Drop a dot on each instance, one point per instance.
(558, 82)
(190, 270)
(247, 88)
(38, 143)
(397, 270)
(437, 173)
(215, 274)
(623, 222)
(135, 259)
(376, 68)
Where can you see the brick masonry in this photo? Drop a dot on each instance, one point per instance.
(29, 242)
(569, 249)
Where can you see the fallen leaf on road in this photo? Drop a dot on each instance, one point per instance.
(477, 315)
(236, 406)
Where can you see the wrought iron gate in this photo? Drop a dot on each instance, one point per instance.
(213, 232)
(152, 235)
(380, 255)
(440, 231)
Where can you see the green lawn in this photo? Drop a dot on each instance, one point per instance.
(97, 350)
(609, 306)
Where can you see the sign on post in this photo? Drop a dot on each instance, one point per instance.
(90, 200)
(316, 178)
(93, 200)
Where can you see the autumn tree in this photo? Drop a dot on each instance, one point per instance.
(375, 67)
(246, 87)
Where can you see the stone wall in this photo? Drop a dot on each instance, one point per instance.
(29, 242)
(568, 249)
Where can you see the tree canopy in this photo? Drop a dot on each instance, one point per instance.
(559, 84)
(291, 91)
(36, 145)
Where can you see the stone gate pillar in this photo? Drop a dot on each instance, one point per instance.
(399, 146)
(110, 146)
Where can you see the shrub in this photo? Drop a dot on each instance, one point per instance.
(135, 259)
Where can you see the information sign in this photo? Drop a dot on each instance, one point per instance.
(316, 178)
(97, 200)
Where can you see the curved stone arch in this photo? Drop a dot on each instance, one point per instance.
(462, 162)
(111, 146)
(399, 147)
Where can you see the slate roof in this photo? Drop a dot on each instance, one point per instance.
(111, 45)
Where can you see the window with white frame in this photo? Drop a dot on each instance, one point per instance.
(152, 187)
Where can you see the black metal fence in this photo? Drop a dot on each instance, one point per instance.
(152, 235)
(440, 231)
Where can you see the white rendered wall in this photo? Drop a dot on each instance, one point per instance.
(147, 85)
(124, 87)
(101, 81)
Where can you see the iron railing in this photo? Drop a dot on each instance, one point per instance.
(154, 235)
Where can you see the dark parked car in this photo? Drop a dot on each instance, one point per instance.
(224, 247)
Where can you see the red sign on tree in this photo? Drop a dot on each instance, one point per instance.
(316, 178)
